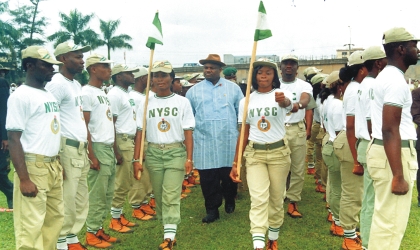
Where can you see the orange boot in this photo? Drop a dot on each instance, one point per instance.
(352, 244)
(116, 225)
(106, 237)
(336, 230)
(94, 241)
(292, 210)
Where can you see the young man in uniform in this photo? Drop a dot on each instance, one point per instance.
(137, 196)
(33, 126)
(391, 155)
(215, 103)
(295, 129)
(73, 150)
(101, 176)
(375, 61)
(124, 116)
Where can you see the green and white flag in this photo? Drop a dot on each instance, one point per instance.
(262, 31)
(156, 36)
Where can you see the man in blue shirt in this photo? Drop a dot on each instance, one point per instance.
(215, 103)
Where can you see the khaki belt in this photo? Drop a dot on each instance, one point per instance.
(76, 144)
(166, 146)
(404, 143)
(39, 158)
(274, 145)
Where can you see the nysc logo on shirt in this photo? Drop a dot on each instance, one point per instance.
(164, 126)
(263, 124)
(109, 114)
(55, 126)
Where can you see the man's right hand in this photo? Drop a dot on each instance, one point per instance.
(234, 174)
(399, 186)
(94, 164)
(137, 167)
(28, 188)
(119, 158)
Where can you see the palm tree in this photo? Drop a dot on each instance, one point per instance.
(76, 27)
(108, 29)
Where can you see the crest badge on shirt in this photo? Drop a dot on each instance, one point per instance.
(109, 115)
(263, 124)
(164, 126)
(55, 126)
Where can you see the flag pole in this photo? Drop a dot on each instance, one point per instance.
(245, 113)
(143, 133)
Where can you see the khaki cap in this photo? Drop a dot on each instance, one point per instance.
(69, 46)
(191, 76)
(290, 57)
(397, 34)
(163, 66)
(142, 72)
(266, 62)
(311, 70)
(318, 78)
(122, 68)
(40, 53)
(186, 83)
(96, 58)
(373, 53)
(355, 58)
(332, 78)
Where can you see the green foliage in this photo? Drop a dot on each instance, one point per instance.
(232, 230)
(76, 27)
(112, 41)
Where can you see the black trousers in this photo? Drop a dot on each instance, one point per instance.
(6, 186)
(216, 185)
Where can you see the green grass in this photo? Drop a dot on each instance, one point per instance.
(232, 230)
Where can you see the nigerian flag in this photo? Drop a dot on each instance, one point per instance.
(262, 31)
(156, 36)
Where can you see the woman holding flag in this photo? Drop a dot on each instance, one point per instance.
(266, 153)
(170, 122)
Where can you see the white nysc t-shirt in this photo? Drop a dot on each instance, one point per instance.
(297, 87)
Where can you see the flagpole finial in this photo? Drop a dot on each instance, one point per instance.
(157, 11)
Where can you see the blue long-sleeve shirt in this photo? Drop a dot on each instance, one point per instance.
(215, 108)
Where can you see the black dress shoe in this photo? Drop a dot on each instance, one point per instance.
(230, 208)
(210, 218)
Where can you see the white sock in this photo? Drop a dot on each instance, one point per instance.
(273, 233)
(62, 243)
(258, 240)
(116, 212)
(350, 233)
(169, 231)
(72, 239)
(337, 222)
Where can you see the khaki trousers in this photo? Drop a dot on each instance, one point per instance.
(351, 184)
(141, 188)
(267, 172)
(334, 178)
(124, 176)
(324, 169)
(391, 211)
(368, 201)
(296, 137)
(75, 188)
(101, 185)
(320, 166)
(314, 146)
(167, 170)
(37, 221)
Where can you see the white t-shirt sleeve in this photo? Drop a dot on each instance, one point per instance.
(289, 95)
(307, 88)
(395, 95)
(241, 111)
(188, 120)
(87, 101)
(115, 104)
(139, 115)
(58, 90)
(350, 107)
(17, 114)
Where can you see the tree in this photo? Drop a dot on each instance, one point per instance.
(76, 27)
(108, 29)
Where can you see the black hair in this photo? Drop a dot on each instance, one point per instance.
(276, 80)
(114, 78)
(347, 73)
(369, 64)
(391, 47)
(309, 78)
(26, 61)
(316, 89)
